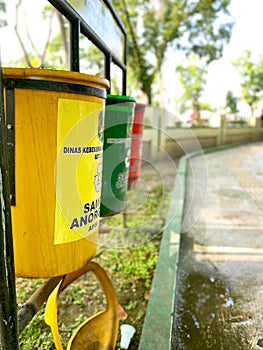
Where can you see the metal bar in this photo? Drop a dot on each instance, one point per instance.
(35, 302)
(107, 66)
(124, 75)
(124, 84)
(72, 16)
(74, 43)
(10, 142)
(8, 312)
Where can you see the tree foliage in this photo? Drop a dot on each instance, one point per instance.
(192, 79)
(3, 21)
(252, 78)
(231, 102)
(201, 27)
(154, 26)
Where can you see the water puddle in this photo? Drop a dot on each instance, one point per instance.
(208, 317)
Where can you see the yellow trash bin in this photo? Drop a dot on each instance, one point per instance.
(56, 120)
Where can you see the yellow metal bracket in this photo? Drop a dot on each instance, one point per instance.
(100, 330)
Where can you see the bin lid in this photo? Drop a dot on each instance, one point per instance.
(57, 76)
(111, 99)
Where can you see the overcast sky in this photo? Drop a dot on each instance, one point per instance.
(246, 34)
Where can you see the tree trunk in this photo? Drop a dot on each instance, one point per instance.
(64, 38)
(251, 109)
(148, 93)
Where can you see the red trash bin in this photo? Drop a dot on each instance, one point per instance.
(136, 144)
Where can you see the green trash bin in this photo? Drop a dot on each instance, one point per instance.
(119, 113)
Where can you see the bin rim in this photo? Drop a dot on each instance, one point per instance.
(56, 75)
(120, 98)
(140, 105)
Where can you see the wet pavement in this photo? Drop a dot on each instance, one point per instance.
(219, 296)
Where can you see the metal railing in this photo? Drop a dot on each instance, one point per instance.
(79, 25)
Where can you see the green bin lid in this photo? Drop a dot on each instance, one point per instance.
(119, 99)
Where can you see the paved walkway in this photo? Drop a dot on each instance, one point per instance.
(219, 294)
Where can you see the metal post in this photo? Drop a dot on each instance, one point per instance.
(35, 302)
(159, 131)
(107, 73)
(124, 71)
(8, 309)
(74, 46)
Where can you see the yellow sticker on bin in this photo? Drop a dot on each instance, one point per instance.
(78, 169)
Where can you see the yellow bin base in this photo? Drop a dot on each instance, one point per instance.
(57, 122)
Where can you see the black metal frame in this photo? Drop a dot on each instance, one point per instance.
(78, 25)
(8, 307)
(10, 141)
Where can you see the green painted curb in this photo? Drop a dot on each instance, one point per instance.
(159, 315)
